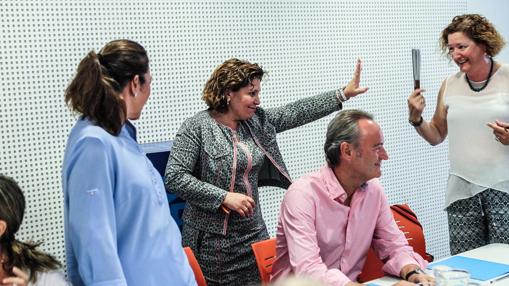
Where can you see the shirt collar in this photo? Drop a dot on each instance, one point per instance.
(334, 187)
(131, 130)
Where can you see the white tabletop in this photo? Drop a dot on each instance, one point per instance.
(496, 252)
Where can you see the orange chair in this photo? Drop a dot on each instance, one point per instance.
(407, 221)
(198, 274)
(265, 254)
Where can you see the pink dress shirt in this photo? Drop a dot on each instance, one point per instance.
(320, 237)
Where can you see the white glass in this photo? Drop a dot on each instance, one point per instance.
(445, 276)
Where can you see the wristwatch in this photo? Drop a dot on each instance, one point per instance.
(415, 271)
(418, 123)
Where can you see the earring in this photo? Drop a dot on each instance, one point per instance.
(228, 101)
(135, 95)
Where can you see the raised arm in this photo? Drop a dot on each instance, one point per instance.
(352, 89)
(312, 108)
(434, 131)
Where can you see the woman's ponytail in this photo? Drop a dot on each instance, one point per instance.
(95, 94)
(27, 256)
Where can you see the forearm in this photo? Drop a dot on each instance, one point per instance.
(391, 245)
(320, 272)
(193, 190)
(303, 111)
(407, 269)
(435, 130)
(180, 175)
(93, 238)
(400, 257)
(429, 132)
(414, 274)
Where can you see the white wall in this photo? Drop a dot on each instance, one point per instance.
(307, 47)
(493, 10)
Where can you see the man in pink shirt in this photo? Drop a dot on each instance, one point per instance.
(330, 218)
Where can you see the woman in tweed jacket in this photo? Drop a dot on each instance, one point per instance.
(222, 155)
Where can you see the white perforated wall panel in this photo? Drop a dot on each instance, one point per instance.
(306, 46)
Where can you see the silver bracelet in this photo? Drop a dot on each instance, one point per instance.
(340, 95)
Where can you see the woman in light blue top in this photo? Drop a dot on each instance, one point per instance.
(118, 229)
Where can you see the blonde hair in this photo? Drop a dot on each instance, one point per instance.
(231, 75)
(477, 28)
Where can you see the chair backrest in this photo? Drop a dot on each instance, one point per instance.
(198, 274)
(265, 254)
(158, 153)
(407, 221)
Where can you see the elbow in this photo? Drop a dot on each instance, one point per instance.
(436, 141)
(175, 180)
(171, 180)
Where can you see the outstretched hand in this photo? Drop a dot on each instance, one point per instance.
(352, 89)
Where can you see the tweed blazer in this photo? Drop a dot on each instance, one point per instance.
(199, 169)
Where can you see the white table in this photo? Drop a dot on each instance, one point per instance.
(496, 252)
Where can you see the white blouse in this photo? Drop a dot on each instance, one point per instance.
(50, 278)
(477, 160)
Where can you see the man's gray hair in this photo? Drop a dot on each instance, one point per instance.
(343, 128)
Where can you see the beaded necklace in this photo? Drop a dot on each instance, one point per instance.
(485, 83)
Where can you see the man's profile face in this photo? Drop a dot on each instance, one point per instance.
(367, 161)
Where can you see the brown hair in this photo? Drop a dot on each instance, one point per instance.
(231, 75)
(95, 90)
(24, 255)
(477, 28)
